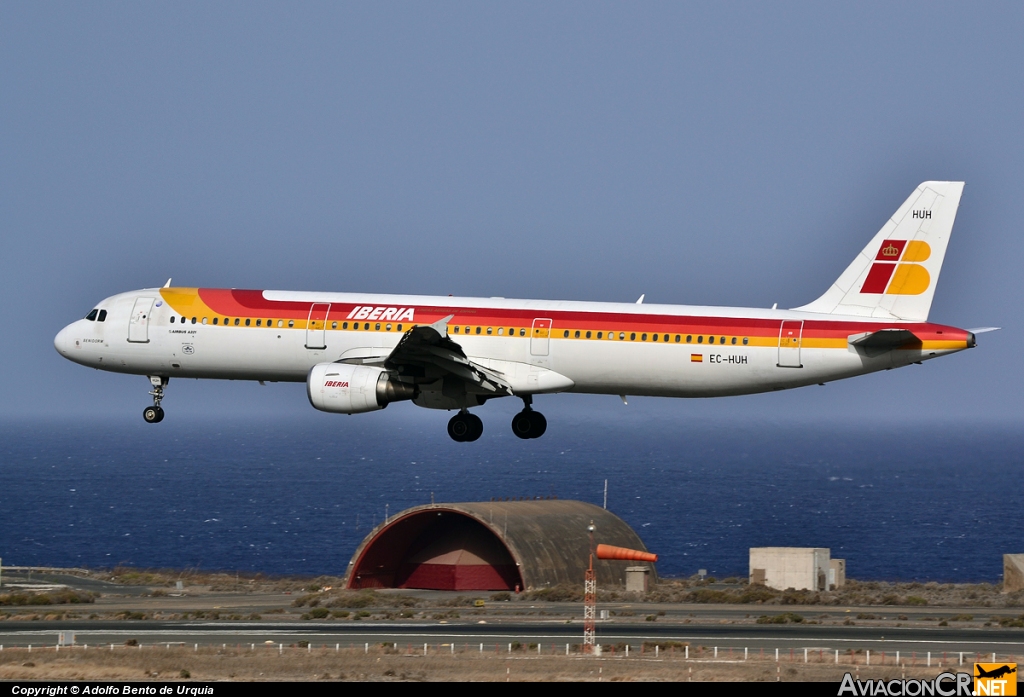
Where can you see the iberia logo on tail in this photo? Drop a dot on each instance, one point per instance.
(892, 274)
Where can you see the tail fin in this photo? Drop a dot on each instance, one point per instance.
(894, 277)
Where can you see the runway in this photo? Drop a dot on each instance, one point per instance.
(908, 640)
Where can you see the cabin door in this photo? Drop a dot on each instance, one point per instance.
(316, 326)
(539, 337)
(790, 337)
(138, 325)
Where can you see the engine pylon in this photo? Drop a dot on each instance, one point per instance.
(624, 554)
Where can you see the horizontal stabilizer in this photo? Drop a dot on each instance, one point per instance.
(875, 343)
(984, 330)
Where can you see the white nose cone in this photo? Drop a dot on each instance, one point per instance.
(60, 342)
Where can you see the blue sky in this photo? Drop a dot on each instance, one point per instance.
(715, 153)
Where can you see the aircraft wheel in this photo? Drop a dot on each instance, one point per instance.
(529, 424)
(476, 427)
(460, 428)
(153, 415)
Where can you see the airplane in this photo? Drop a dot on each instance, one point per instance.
(359, 353)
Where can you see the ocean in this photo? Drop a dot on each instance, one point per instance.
(297, 495)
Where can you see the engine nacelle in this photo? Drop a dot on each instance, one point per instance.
(353, 389)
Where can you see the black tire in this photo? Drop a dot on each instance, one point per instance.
(540, 424)
(458, 428)
(152, 415)
(159, 414)
(476, 427)
(522, 425)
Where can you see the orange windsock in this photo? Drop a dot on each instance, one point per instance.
(623, 554)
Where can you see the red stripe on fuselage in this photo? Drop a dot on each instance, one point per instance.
(252, 303)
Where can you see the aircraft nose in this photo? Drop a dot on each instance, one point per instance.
(61, 341)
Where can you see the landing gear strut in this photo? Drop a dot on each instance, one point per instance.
(155, 413)
(465, 427)
(529, 423)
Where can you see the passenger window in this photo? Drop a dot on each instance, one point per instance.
(366, 326)
(700, 340)
(172, 319)
(102, 317)
(643, 337)
(247, 321)
(355, 325)
(204, 320)
(511, 331)
(467, 330)
(632, 336)
(566, 334)
(622, 336)
(259, 323)
(599, 335)
(479, 329)
(388, 327)
(280, 322)
(490, 330)
(721, 340)
(654, 337)
(689, 338)
(334, 325)
(522, 332)
(677, 338)
(745, 340)
(577, 336)
(376, 327)
(215, 320)
(501, 331)
(666, 337)
(399, 327)
(291, 323)
(734, 341)
(193, 320)
(588, 335)
(92, 315)
(344, 325)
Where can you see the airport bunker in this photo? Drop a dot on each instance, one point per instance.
(492, 546)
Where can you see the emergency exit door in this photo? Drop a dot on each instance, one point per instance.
(539, 337)
(316, 326)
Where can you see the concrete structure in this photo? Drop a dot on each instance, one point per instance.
(836, 574)
(496, 545)
(1013, 573)
(782, 568)
(636, 578)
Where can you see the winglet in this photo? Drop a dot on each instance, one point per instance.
(168, 284)
(640, 300)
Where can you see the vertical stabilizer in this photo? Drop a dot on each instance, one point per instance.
(894, 277)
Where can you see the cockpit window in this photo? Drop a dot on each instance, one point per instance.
(92, 315)
(102, 317)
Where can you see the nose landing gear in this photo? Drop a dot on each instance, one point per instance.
(465, 427)
(155, 413)
(529, 423)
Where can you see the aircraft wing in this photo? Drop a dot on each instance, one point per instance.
(429, 347)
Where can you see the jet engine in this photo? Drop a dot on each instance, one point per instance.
(353, 389)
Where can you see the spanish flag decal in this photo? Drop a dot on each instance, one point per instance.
(696, 358)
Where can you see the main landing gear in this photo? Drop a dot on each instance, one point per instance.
(529, 423)
(155, 413)
(465, 427)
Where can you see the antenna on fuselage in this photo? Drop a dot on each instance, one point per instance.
(168, 284)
